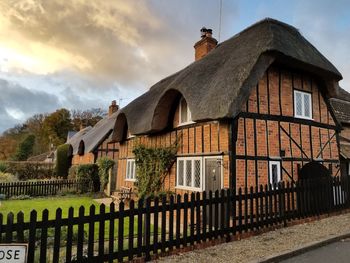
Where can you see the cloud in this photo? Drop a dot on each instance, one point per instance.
(103, 38)
(18, 103)
(84, 54)
(134, 42)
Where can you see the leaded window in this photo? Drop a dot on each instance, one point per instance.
(189, 173)
(302, 104)
(130, 170)
(185, 113)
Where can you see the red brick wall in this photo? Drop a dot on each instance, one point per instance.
(207, 138)
(274, 96)
(83, 159)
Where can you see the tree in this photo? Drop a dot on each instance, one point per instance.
(56, 127)
(49, 130)
(7, 147)
(10, 140)
(34, 125)
(25, 148)
(86, 118)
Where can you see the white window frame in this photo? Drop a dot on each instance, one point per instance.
(128, 176)
(184, 187)
(302, 116)
(189, 115)
(129, 135)
(278, 163)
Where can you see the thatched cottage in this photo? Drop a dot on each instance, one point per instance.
(251, 110)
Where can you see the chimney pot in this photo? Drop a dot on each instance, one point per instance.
(203, 32)
(206, 44)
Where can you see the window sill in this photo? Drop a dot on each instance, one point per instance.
(130, 180)
(304, 118)
(185, 123)
(187, 188)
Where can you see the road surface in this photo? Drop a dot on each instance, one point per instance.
(338, 252)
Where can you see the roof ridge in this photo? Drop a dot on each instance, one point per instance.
(270, 20)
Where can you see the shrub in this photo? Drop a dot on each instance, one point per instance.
(89, 171)
(7, 177)
(104, 165)
(63, 161)
(72, 172)
(31, 170)
(3, 167)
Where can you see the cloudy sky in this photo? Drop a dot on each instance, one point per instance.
(81, 54)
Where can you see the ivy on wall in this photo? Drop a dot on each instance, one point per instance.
(152, 166)
(104, 165)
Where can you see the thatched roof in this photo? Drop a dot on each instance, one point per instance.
(343, 94)
(76, 139)
(345, 150)
(341, 106)
(97, 134)
(217, 85)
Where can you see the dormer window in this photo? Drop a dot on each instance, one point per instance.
(185, 113)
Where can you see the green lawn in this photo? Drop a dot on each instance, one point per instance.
(50, 203)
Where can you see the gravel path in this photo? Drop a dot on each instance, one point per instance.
(107, 200)
(256, 248)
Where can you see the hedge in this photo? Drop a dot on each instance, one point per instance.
(89, 171)
(63, 161)
(30, 170)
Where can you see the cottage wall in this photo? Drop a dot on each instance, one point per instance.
(267, 128)
(106, 148)
(197, 139)
(83, 159)
(109, 149)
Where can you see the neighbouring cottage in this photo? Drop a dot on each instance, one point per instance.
(91, 143)
(341, 107)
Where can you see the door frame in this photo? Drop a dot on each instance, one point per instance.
(221, 168)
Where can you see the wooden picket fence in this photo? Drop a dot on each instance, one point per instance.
(152, 227)
(44, 187)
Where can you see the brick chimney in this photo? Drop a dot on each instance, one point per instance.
(113, 108)
(206, 44)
